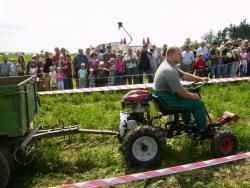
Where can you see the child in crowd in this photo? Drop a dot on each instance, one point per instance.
(120, 70)
(33, 69)
(59, 79)
(82, 74)
(112, 72)
(200, 66)
(91, 78)
(52, 75)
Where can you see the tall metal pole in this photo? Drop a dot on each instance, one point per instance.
(120, 25)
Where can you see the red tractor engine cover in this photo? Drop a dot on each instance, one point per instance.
(137, 95)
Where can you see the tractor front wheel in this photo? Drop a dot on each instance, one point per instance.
(224, 143)
(144, 146)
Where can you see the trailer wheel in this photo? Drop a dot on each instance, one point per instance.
(6, 166)
(144, 146)
(224, 143)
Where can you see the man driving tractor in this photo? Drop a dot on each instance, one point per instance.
(167, 85)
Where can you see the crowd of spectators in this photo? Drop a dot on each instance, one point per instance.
(93, 68)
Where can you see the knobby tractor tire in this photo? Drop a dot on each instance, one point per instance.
(224, 143)
(6, 166)
(144, 146)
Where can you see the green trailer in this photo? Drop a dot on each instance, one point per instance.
(18, 105)
(18, 101)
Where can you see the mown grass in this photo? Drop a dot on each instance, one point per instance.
(80, 158)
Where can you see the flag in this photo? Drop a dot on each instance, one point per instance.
(124, 41)
(148, 41)
(143, 41)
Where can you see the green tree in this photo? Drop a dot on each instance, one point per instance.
(209, 37)
(235, 31)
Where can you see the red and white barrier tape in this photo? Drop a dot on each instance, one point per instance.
(128, 87)
(156, 173)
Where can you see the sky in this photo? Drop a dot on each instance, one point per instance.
(35, 25)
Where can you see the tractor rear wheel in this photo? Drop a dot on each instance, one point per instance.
(6, 166)
(224, 143)
(144, 146)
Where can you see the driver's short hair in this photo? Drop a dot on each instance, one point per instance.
(172, 49)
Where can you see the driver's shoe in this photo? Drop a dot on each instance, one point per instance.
(204, 133)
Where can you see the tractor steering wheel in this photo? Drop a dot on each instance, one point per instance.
(195, 87)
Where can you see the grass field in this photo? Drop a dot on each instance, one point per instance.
(86, 157)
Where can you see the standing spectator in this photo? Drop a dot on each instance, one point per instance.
(21, 62)
(55, 58)
(64, 52)
(94, 62)
(48, 63)
(67, 70)
(13, 68)
(61, 60)
(5, 67)
(153, 59)
(248, 52)
(52, 78)
(243, 62)
(112, 72)
(60, 78)
(92, 78)
(120, 70)
(187, 59)
(46, 67)
(228, 58)
(131, 67)
(107, 55)
(82, 74)
(77, 61)
(144, 65)
(101, 75)
(215, 57)
(193, 50)
(39, 65)
(33, 69)
(236, 50)
(99, 54)
(87, 53)
(203, 50)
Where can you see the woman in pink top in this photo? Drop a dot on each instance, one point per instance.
(120, 69)
(243, 62)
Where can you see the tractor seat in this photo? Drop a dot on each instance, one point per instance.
(163, 108)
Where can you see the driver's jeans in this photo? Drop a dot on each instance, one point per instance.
(195, 107)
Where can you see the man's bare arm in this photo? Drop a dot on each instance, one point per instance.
(187, 95)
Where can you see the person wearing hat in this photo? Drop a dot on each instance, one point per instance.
(215, 57)
(187, 59)
(77, 61)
